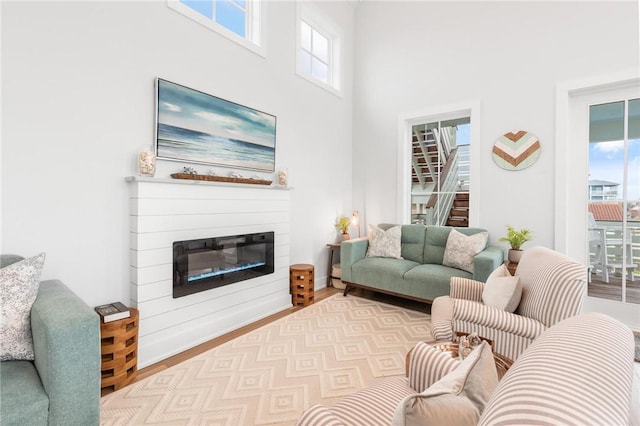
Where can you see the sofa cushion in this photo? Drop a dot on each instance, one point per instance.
(461, 249)
(19, 284)
(502, 290)
(384, 243)
(436, 238)
(22, 394)
(381, 272)
(411, 240)
(429, 281)
(458, 398)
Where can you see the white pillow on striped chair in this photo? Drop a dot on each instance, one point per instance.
(502, 290)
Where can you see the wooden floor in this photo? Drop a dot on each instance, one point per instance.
(613, 289)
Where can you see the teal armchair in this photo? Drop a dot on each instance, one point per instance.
(62, 385)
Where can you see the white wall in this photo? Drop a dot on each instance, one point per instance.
(508, 56)
(78, 103)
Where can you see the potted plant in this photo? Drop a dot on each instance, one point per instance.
(343, 224)
(516, 238)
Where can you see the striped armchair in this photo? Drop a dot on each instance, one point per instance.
(579, 372)
(553, 288)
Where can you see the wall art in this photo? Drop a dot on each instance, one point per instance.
(516, 151)
(195, 127)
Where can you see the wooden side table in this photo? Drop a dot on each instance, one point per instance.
(301, 281)
(332, 249)
(119, 349)
(512, 267)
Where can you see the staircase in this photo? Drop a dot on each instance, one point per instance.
(459, 213)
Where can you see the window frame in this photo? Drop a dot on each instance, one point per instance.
(255, 24)
(311, 16)
(406, 121)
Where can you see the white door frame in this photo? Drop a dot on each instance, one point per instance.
(571, 171)
(406, 121)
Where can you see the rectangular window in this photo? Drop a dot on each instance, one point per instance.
(238, 20)
(318, 52)
(440, 173)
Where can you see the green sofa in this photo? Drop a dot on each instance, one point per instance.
(62, 385)
(420, 274)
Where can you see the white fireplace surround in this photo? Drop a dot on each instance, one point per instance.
(168, 210)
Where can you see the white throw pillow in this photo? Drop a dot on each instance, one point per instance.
(502, 290)
(461, 249)
(385, 243)
(458, 398)
(19, 283)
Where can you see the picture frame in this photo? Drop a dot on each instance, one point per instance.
(195, 127)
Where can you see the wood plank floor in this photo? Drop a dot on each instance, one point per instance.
(613, 289)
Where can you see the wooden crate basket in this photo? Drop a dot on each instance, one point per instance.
(301, 279)
(119, 348)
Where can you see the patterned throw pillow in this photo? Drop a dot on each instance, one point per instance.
(384, 243)
(19, 283)
(461, 249)
(502, 290)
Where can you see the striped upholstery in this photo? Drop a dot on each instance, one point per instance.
(427, 365)
(466, 288)
(579, 372)
(553, 289)
(376, 405)
(372, 406)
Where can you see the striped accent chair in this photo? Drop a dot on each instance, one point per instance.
(579, 372)
(553, 288)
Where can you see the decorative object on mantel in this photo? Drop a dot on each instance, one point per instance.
(516, 151)
(147, 162)
(283, 177)
(189, 170)
(196, 127)
(220, 179)
(343, 223)
(516, 239)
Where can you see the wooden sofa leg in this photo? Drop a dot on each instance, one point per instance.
(346, 289)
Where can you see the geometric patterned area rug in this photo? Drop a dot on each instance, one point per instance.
(269, 376)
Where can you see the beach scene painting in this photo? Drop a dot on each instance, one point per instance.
(195, 127)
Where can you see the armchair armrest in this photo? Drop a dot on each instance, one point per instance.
(426, 365)
(490, 317)
(350, 252)
(319, 415)
(485, 262)
(66, 340)
(466, 289)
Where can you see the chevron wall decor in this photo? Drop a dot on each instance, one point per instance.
(516, 151)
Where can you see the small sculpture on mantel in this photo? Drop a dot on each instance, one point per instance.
(189, 170)
(235, 174)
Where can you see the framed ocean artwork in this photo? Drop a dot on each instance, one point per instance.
(195, 127)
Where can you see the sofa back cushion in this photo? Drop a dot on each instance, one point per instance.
(436, 241)
(553, 285)
(412, 240)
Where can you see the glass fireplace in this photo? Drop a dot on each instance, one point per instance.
(207, 263)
